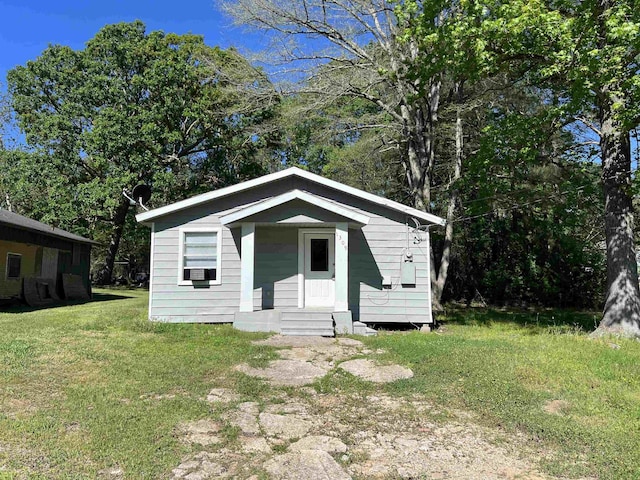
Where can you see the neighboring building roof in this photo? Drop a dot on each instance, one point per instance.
(293, 171)
(294, 195)
(24, 223)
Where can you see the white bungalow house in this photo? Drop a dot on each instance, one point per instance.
(290, 252)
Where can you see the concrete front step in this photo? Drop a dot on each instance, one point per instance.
(301, 322)
(307, 322)
(308, 332)
(360, 328)
(313, 317)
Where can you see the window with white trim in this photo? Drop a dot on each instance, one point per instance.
(14, 266)
(200, 253)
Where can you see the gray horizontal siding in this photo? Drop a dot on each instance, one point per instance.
(276, 267)
(419, 319)
(186, 303)
(193, 318)
(201, 302)
(165, 289)
(405, 295)
(374, 250)
(392, 307)
(378, 250)
(194, 310)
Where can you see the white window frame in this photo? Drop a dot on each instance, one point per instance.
(6, 267)
(218, 232)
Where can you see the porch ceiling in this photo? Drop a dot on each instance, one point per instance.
(295, 206)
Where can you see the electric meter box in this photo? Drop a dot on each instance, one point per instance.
(408, 273)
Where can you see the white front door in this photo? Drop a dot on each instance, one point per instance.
(319, 270)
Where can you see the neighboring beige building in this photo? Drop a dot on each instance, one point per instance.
(31, 249)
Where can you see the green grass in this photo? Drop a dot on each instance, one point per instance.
(506, 366)
(79, 385)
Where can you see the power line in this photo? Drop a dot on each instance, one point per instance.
(517, 206)
(602, 178)
(501, 194)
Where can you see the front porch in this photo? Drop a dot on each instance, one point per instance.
(294, 265)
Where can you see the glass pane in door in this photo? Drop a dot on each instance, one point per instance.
(319, 255)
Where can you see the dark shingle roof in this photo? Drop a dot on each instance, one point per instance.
(24, 223)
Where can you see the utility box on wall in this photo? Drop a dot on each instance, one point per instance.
(408, 273)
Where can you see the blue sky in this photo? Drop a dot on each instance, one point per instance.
(29, 26)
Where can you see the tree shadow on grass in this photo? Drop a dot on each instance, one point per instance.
(535, 321)
(96, 297)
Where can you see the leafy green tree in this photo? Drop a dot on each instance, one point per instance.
(531, 231)
(364, 50)
(348, 139)
(585, 52)
(605, 82)
(133, 107)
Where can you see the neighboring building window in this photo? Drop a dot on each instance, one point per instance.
(199, 256)
(14, 262)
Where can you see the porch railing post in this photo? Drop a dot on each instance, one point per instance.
(247, 260)
(342, 267)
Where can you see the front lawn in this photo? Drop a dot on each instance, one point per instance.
(537, 374)
(80, 386)
(92, 387)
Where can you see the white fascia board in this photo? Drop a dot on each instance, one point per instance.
(206, 197)
(356, 192)
(223, 192)
(294, 195)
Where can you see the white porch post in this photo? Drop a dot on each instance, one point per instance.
(342, 267)
(247, 256)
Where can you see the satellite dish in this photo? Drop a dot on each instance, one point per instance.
(141, 193)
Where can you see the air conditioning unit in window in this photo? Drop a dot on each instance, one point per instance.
(196, 274)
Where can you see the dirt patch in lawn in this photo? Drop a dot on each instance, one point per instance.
(22, 463)
(307, 435)
(556, 407)
(16, 408)
(370, 371)
(335, 437)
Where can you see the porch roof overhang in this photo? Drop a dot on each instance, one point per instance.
(313, 201)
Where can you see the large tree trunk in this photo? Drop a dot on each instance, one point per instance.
(105, 274)
(419, 125)
(622, 306)
(439, 275)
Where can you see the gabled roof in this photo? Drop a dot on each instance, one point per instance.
(23, 223)
(294, 195)
(289, 172)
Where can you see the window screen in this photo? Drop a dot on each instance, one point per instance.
(200, 256)
(13, 265)
(319, 255)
